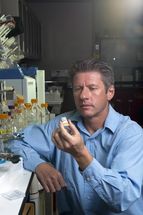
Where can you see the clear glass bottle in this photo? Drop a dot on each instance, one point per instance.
(13, 115)
(5, 124)
(45, 112)
(20, 104)
(36, 110)
(20, 120)
(21, 113)
(5, 131)
(2, 132)
(28, 114)
(4, 106)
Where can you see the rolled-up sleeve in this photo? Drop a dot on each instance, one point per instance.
(36, 146)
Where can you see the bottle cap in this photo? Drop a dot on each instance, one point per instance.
(44, 105)
(3, 116)
(34, 101)
(28, 105)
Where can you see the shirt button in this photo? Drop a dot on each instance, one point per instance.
(88, 179)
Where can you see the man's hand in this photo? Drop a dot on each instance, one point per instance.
(72, 143)
(49, 177)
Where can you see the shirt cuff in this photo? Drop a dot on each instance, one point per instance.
(94, 172)
(33, 164)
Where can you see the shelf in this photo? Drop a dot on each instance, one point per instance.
(6, 91)
(129, 84)
(17, 73)
(11, 73)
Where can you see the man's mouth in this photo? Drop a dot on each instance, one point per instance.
(85, 105)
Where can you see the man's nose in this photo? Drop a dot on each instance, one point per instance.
(84, 93)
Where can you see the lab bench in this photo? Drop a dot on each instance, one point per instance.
(15, 182)
(33, 200)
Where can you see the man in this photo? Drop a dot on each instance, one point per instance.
(95, 166)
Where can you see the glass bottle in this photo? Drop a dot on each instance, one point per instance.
(28, 114)
(20, 120)
(36, 110)
(5, 124)
(45, 112)
(21, 112)
(20, 104)
(5, 131)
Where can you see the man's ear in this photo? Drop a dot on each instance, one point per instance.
(110, 92)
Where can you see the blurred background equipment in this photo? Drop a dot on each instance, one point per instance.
(10, 52)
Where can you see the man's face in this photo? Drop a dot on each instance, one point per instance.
(90, 95)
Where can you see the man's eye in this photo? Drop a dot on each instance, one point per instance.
(76, 89)
(93, 88)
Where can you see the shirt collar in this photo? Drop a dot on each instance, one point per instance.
(75, 117)
(112, 119)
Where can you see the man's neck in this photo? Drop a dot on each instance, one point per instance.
(96, 122)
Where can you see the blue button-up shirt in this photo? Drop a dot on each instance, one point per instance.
(111, 184)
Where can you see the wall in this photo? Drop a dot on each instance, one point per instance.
(70, 29)
(119, 24)
(109, 17)
(117, 17)
(66, 32)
